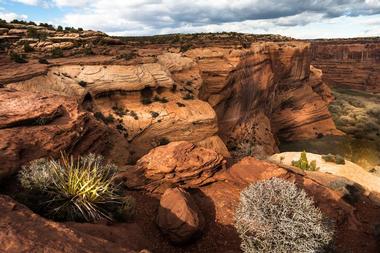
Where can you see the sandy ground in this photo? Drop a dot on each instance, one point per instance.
(349, 170)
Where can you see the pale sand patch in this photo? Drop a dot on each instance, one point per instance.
(349, 170)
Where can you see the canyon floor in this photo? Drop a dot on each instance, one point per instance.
(190, 121)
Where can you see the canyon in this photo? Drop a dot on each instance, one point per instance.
(187, 119)
(349, 63)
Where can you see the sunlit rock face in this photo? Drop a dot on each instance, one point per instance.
(33, 125)
(352, 63)
(150, 104)
(260, 94)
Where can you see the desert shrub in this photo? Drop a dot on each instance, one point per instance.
(128, 56)
(313, 165)
(100, 116)
(128, 209)
(70, 29)
(48, 26)
(119, 111)
(57, 52)
(334, 159)
(304, 164)
(28, 48)
(4, 45)
(184, 48)
(121, 127)
(188, 96)
(75, 190)
(59, 28)
(18, 58)
(43, 61)
(339, 160)
(356, 103)
(34, 33)
(245, 149)
(275, 216)
(163, 141)
(40, 121)
(181, 104)
(146, 100)
(109, 119)
(82, 83)
(162, 100)
(375, 112)
(88, 51)
(154, 114)
(36, 176)
(134, 115)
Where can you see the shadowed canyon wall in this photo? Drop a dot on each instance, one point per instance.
(273, 94)
(352, 63)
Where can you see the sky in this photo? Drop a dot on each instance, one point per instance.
(301, 19)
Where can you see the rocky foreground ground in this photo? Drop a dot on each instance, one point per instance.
(181, 120)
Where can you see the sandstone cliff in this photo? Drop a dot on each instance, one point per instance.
(351, 63)
(259, 94)
(271, 94)
(34, 126)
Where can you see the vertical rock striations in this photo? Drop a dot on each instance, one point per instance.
(271, 95)
(352, 63)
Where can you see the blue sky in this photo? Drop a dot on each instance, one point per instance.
(295, 18)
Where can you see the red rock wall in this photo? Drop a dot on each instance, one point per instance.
(349, 63)
(271, 95)
(34, 125)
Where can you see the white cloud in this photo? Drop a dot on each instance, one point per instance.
(28, 2)
(9, 16)
(71, 3)
(287, 17)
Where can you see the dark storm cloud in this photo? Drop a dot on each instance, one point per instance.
(236, 11)
(156, 15)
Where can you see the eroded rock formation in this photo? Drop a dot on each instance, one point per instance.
(180, 164)
(33, 125)
(351, 63)
(263, 93)
(272, 94)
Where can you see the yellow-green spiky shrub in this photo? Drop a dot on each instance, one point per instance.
(74, 190)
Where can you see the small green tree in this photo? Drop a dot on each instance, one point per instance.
(28, 48)
(304, 164)
(57, 52)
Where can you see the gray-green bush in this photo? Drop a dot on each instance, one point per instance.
(276, 216)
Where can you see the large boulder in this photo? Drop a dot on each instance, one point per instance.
(180, 164)
(178, 216)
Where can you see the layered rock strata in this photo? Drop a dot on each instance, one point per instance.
(34, 125)
(352, 63)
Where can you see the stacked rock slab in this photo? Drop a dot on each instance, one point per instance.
(181, 164)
